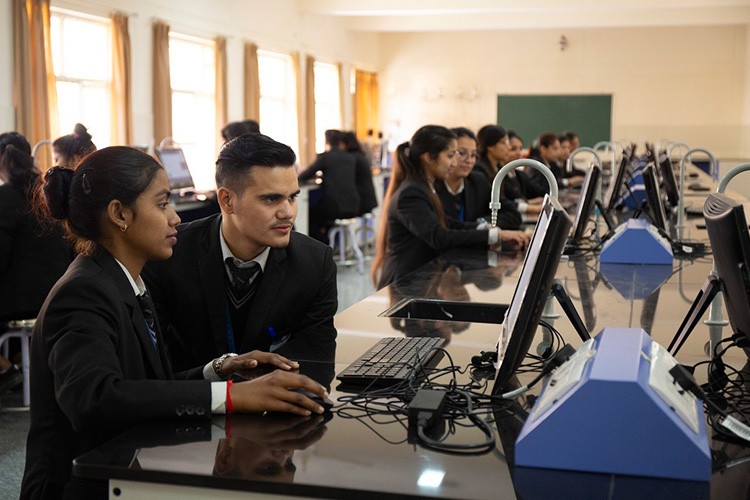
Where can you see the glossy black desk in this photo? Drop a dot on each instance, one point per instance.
(349, 458)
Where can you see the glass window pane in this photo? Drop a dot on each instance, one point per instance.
(81, 51)
(278, 98)
(327, 102)
(87, 50)
(192, 71)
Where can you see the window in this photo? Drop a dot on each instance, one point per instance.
(192, 74)
(327, 102)
(278, 98)
(82, 59)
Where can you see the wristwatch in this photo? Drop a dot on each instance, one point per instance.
(220, 361)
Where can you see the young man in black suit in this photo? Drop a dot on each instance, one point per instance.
(206, 310)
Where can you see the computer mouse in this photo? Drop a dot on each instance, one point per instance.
(326, 403)
(697, 186)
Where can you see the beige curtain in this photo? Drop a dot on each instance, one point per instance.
(301, 135)
(309, 147)
(342, 93)
(162, 86)
(122, 119)
(252, 83)
(366, 104)
(220, 56)
(34, 93)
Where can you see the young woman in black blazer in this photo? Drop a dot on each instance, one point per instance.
(32, 256)
(465, 193)
(98, 361)
(414, 229)
(494, 148)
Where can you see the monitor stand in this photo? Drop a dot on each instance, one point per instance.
(558, 290)
(705, 296)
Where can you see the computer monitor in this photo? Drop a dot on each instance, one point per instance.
(616, 184)
(586, 203)
(173, 160)
(532, 290)
(654, 199)
(730, 242)
(668, 179)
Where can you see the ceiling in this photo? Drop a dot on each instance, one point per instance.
(474, 15)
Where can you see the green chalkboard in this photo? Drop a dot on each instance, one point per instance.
(589, 116)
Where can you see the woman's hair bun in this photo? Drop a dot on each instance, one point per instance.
(80, 132)
(57, 182)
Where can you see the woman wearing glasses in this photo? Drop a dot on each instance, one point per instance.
(414, 229)
(465, 193)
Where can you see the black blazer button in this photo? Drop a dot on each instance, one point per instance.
(180, 410)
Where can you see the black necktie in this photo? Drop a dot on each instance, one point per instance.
(147, 309)
(243, 283)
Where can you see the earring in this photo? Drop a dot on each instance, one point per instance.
(124, 228)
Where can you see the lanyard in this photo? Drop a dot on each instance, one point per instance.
(230, 333)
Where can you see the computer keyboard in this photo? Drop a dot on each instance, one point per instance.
(392, 360)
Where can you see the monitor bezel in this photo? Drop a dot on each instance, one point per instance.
(613, 192)
(669, 180)
(727, 230)
(550, 242)
(586, 203)
(175, 184)
(654, 198)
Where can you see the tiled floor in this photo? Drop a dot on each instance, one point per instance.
(14, 419)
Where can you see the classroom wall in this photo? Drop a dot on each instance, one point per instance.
(670, 83)
(276, 25)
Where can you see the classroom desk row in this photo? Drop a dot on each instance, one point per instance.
(350, 455)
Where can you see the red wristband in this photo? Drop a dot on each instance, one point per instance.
(229, 405)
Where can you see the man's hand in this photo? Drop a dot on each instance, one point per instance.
(255, 363)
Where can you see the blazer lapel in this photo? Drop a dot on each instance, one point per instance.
(265, 296)
(212, 278)
(137, 320)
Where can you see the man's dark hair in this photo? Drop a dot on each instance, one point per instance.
(240, 155)
(236, 129)
(333, 138)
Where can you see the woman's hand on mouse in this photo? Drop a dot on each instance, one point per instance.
(275, 392)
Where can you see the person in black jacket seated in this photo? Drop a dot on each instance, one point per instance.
(549, 151)
(366, 189)
(465, 194)
(339, 198)
(99, 362)
(33, 256)
(70, 149)
(495, 151)
(413, 229)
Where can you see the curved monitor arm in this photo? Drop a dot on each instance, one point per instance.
(522, 162)
(681, 201)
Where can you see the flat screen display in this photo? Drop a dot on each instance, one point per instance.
(177, 169)
(532, 290)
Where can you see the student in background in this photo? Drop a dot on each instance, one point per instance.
(549, 152)
(236, 129)
(340, 197)
(414, 229)
(98, 357)
(32, 256)
(366, 189)
(575, 142)
(465, 193)
(494, 151)
(70, 149)
(516, 145)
